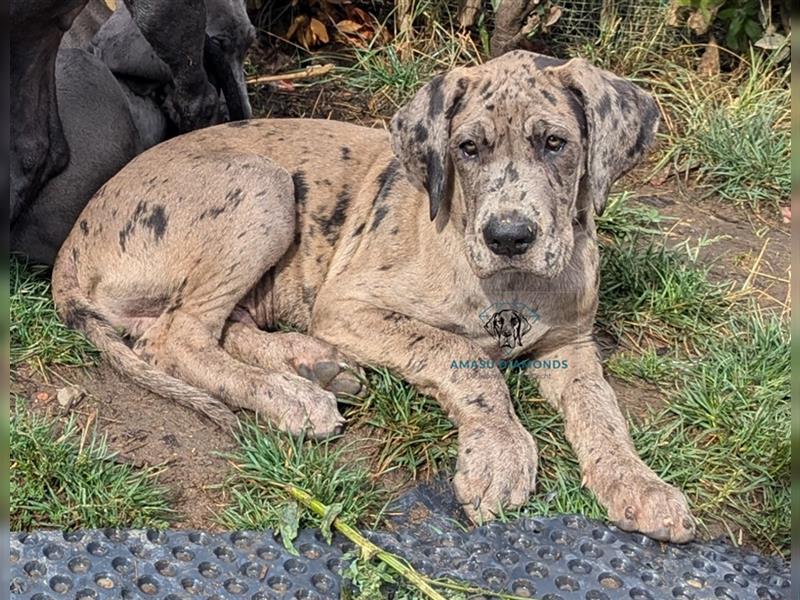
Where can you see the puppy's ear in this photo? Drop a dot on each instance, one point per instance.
(421, 135)
(621, 122)
(525, 326)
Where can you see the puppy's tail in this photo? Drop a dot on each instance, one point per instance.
(77, 312)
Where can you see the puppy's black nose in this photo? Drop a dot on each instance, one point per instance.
(510, 234)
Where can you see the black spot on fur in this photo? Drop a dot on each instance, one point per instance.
(549, 258)
(480, 402)
(380, 213)
(604, 106)
(436, 104)
(434, 180)
(386, 180)
(76, 314)
(234, 197)
(157, 222)
(420, 133)
(575, 104)
(300, 187)
(345, 153)
(359, 230)
(549, 97)
(511, 173)
(644, 137)
(458, 100)
(212, 212)
(395, 317)
(309, 295)
(415, 340)
(331, 224)
(84, 227)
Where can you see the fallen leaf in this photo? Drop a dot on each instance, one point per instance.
(348, 26)
(288, 526)
(296, 23)
(319, 30)
(771, 40)
(330, 515)
(553, 16)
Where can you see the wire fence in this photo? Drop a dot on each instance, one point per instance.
(638, 22)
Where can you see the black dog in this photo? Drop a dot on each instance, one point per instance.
(114, 89)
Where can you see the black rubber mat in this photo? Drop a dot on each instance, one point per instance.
(567, 557)
(173, 565)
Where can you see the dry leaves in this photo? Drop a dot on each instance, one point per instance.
(319, 22)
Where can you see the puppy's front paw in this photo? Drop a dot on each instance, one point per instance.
(297, 406)
(496, 469)
(642, 502)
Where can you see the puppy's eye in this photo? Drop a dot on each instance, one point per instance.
(554, 143)
(469, 149)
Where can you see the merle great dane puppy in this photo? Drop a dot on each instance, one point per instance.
(383, 247)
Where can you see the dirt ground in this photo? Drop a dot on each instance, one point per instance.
(146, 430)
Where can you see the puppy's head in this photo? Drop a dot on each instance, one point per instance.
(528, 142)
(229, 35)
(508, 327)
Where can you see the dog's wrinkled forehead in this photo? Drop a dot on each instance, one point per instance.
(228, 20)
(515, 89)
(517, 92)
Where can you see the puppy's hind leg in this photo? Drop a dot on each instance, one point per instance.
(190, 351)
(221, 259)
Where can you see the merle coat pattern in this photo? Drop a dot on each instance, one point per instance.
(383, 247)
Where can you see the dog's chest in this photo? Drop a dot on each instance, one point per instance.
(503, 325)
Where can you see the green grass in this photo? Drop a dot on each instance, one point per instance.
(651, 292)
(622, 44)
(411, 434)
(392, 73)
(267, 458)
(725, 432)
(67, 480)
(733, 133)
(723, 437)
(38, 337)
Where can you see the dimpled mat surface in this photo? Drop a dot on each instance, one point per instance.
(172, 565)
(565, 557)
(560, 558)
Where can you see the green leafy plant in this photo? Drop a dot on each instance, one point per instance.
(744, 22)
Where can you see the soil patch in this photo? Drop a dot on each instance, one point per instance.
(144, 430)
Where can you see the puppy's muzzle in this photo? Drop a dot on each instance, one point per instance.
(509, 234)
